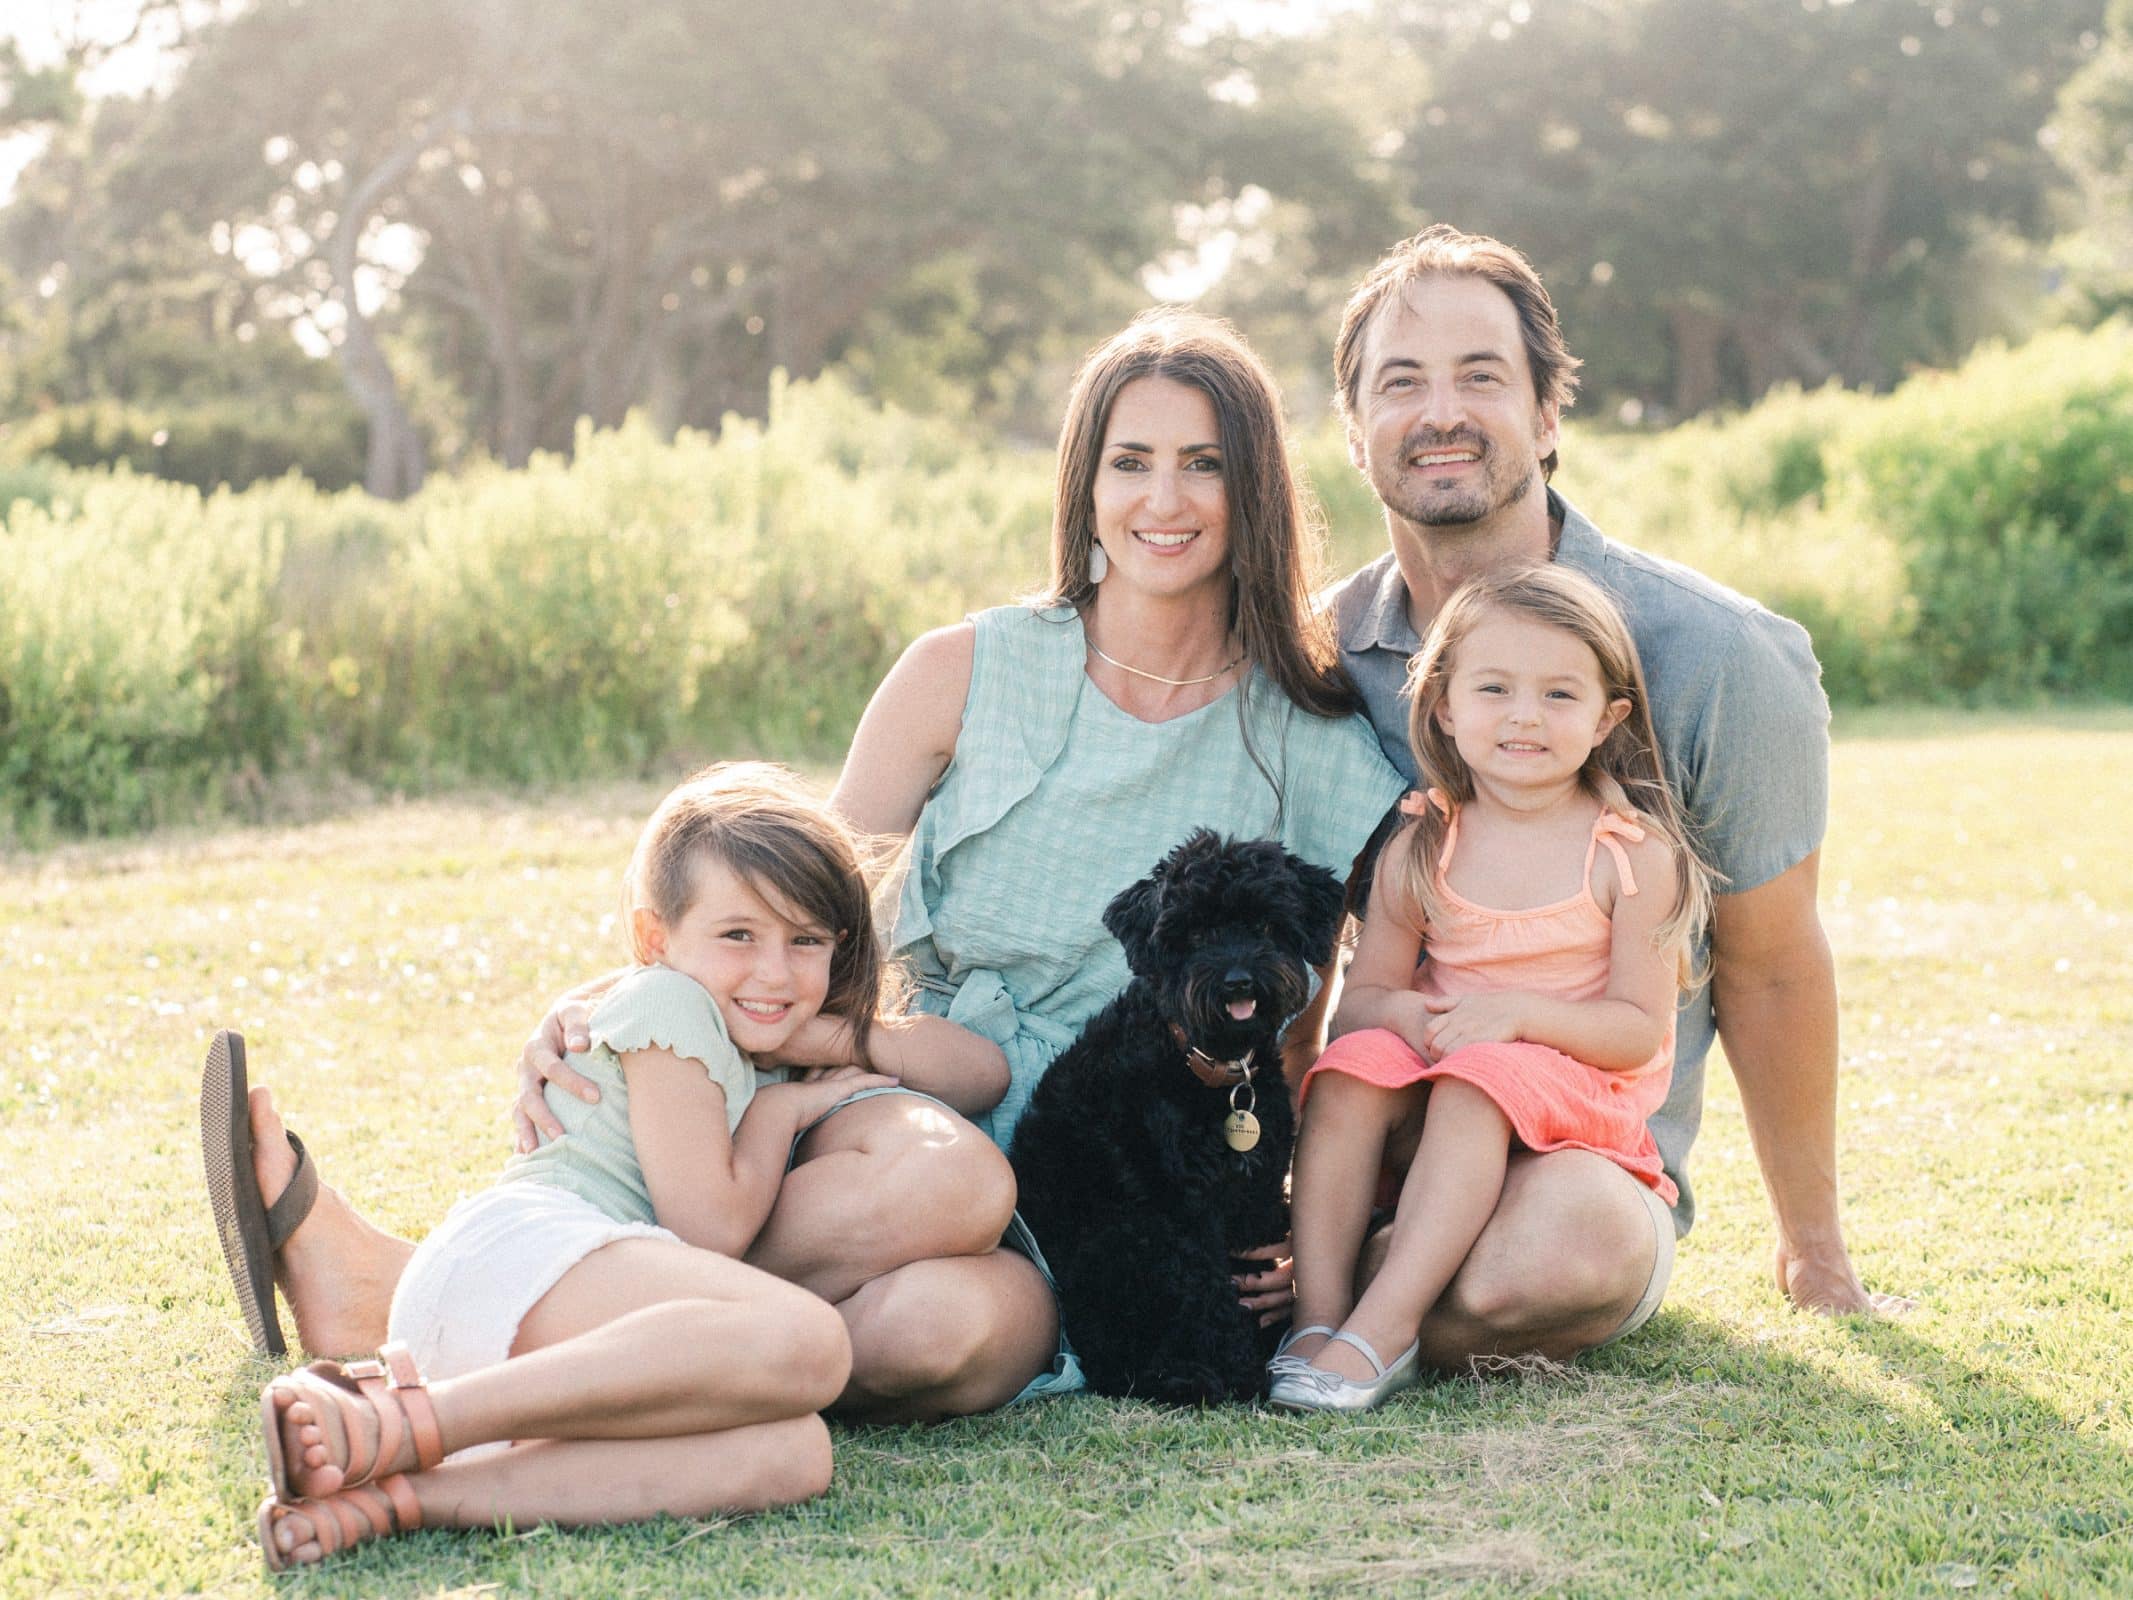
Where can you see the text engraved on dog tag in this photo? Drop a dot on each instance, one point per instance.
(1240, 1130)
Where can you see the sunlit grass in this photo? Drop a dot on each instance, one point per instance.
(1978, 885)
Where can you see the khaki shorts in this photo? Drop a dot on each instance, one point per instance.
(1662, 1216)
(1662, 1265)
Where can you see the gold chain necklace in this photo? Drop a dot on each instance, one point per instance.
(1157, 677)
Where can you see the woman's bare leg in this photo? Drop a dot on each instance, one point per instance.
(947, 1338)
(883, 1183)
(893, 1213)
(336, 1270)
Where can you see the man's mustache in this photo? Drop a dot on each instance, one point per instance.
(1417, 443)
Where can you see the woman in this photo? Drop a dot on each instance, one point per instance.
(1039, 758)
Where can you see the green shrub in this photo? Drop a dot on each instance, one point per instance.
(644, 604)
(35, 481)
(2008, 488)
(207, 444)
(123, 655)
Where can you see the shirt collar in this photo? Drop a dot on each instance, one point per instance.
(1382, 622)
(1580, 543)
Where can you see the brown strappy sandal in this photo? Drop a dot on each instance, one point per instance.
(345, 1517)
(389, 1388)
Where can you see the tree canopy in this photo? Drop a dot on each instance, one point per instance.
(1726, 194)
(499, 218)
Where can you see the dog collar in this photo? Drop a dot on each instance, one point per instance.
(1215, 1074)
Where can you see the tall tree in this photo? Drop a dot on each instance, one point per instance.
(594, 208)
(2092, 133)
(1733, 193)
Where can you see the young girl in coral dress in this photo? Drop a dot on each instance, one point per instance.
(1516, 980)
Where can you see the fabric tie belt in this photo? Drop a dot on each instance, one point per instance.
(980, 1002)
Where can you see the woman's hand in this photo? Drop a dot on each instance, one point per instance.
(1271, 1293)
(541, 1062)
(821, 1091)
(1472, 1019)
(821, 1042)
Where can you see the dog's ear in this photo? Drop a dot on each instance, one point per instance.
(1130, 917)
(1314, 910)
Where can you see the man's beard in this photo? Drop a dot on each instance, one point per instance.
(1460, 506)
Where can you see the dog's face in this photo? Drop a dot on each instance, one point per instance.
(1225, 931)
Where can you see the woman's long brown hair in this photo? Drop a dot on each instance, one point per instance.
(1276, 535)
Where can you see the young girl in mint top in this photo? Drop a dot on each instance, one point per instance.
(580, 1342)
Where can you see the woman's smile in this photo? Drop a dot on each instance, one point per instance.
(1160, 502)
(1166, 540)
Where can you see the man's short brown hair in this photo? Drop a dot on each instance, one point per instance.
(1442, 251)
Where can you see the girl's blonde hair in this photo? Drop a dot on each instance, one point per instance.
(1623, 773)
(758, 819)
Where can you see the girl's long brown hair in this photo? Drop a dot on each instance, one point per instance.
(1624, 773)
(760, 821)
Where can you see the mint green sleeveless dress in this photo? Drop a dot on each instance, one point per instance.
(1056, 800)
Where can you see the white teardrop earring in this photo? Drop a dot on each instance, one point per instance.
(1099, 563)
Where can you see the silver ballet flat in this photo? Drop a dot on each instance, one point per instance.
(1281, 1361)
(1301, 1387)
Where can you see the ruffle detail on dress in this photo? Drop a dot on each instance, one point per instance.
(1552, 1101)
(1026, 674)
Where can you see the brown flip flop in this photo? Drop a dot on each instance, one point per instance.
(251, 1231)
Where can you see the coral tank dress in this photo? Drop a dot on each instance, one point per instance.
(1552, 1101)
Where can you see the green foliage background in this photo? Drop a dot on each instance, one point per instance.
(165, 653)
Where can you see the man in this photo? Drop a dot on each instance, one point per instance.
(1452, 376)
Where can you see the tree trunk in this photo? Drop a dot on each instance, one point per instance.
(395, 465)
(1866, 217)
(1696, 379)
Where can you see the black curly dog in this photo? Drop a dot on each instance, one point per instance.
(1135, 1196)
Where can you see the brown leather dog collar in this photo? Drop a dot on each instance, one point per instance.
(1215, 1074)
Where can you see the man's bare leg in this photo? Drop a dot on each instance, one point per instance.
(1558, 1269)
(336, 1270)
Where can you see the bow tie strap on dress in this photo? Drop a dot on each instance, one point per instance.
(1611, 830)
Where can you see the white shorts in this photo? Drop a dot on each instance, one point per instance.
(472, 1281)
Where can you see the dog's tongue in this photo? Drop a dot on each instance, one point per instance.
(1241, 1010)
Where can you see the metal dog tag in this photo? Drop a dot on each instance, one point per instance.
(1240, 1130)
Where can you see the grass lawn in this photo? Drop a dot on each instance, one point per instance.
(1978, 883)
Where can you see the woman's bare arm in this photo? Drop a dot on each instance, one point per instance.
(907, 736)
(929, 1054)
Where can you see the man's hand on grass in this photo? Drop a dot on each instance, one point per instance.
(1823, 1280)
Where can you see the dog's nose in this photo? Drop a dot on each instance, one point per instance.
(1236, 984)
